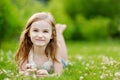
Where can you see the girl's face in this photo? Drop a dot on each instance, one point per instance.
(40, 33)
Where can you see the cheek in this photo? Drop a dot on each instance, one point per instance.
(32, 34)
(50, 36)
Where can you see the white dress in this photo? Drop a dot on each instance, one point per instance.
(47, 65)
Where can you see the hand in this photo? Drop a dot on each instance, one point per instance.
(29, 66)
(31, 71)
(42, 72)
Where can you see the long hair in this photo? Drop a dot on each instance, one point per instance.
(25, 41)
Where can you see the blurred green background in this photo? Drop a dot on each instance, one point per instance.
(86, 20)
(92, 36)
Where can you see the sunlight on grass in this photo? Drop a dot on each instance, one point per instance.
(87, 61)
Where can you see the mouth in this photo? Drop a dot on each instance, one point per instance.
(40, 40)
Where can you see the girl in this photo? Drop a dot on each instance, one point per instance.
(42, 48)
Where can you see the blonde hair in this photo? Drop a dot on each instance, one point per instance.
(26, 44)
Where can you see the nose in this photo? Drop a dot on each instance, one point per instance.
(40, 34)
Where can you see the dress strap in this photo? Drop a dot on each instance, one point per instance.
(30, 58)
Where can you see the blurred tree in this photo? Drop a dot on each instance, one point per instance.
(90, 9)
(8, 19)
(13, 16)
(93, 8)
(81, 16)
(44, 1)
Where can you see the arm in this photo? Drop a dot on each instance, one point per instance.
(58, 67)
(62, 49)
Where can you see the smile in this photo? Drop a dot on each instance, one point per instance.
(39, 39)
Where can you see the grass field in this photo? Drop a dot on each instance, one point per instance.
(87, 61)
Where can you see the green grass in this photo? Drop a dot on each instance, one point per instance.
(87, 61)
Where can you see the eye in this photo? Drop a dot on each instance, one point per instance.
(35, 30)
(45, 31)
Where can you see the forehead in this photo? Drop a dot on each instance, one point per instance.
(41, 25)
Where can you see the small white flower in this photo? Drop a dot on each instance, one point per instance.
(87, 64)
(108, 61)
(81, 78)
(104, 67)
(6, 79)
(115, 78)
(111, 74)
(117, 74)
(71, 63)
(79, 57)
(85, 74)
(102, 76)
(34, 76)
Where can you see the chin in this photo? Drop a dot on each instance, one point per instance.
(40, 45)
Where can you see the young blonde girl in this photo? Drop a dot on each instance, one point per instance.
(42, 48)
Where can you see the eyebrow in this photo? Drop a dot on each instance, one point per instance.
(47, 29)
(43, 28)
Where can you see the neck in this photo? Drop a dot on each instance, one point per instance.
(38, 50)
